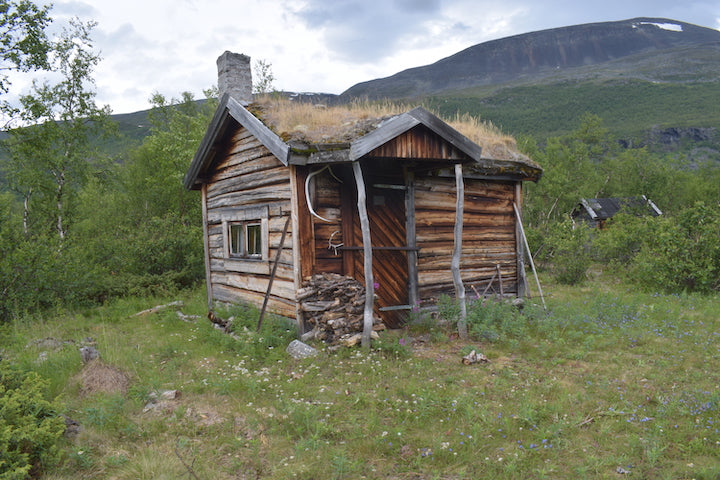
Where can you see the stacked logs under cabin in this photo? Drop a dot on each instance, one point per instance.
(333, 306)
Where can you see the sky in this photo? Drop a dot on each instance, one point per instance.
(170, 46)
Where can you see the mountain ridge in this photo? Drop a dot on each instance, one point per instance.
(538, 54)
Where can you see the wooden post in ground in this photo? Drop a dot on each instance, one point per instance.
(274, 271)
(527, 249)
(206, 248)
(411, 238)
(367, 256)
(457, 251)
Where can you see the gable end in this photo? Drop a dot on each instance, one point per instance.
(228, 109)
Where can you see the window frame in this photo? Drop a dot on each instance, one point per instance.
(245, 239)
(242, 227)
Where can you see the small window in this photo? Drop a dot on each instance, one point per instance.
(254, 240)
(236, 239)
(245, 239)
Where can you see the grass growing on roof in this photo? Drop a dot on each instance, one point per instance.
(608, 378)
(314, 123)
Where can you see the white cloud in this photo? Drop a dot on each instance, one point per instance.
(170, 46)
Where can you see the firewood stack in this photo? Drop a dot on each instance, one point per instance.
(333, 306)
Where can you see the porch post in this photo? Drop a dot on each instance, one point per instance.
(519, 248)
(457, 251)
(410, 234)
(367, 256)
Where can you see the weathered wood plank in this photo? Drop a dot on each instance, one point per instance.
(489, 206)
(238, 159)
(440, 219)
(435, 185)
(282, 286)
(249, 197)
(436, 277)
(237, 265)
(241, 165)
(306, 240)
(206, 245)
(249, 181)
(488, 250)
(443, 262)
(295, 242)
(278, 305)
(470, 235)
(218, 214)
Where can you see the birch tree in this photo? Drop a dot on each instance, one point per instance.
(24, 45)
(53, 154)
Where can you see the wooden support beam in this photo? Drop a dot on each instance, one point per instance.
(367, 256)
(206, 246)
(274, 271)
(411, 238)
(527, 248)
(519, 248)
(298, 257)
(457, 251)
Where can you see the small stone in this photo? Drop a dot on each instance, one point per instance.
(298, 349)
(170, 394)
(89, 354)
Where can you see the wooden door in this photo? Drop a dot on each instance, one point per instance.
(386, 214)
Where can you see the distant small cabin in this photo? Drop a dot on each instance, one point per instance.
(596, 211)
(281, 203)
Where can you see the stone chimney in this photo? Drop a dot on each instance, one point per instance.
(235, 76)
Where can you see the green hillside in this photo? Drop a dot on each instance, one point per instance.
(630, 109)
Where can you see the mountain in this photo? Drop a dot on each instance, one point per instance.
(649, 48)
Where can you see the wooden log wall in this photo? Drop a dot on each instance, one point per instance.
(325, 195)
(248, 178)
(488, 235)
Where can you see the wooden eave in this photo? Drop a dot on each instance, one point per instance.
(229, 109)
(503, 170)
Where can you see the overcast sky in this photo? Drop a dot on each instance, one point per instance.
(170, 46)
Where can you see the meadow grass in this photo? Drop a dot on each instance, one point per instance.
(607, 380)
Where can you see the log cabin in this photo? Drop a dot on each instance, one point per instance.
(281, 204)
(595, 212)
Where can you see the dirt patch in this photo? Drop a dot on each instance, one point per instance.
(98, 377)
(204, 415)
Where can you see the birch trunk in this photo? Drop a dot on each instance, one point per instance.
(457, 251)
(59, 198)
(26, 213)
(367, 256)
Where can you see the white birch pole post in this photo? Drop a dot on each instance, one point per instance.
(527, 249)
(367, 256)
(457, 251)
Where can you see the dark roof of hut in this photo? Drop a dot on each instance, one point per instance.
(604, 208)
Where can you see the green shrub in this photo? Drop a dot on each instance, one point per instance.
(567, 252)
(683, 254)
(622, 238)
(30, 426)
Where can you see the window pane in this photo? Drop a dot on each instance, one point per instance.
(236, 239)
(254, 240)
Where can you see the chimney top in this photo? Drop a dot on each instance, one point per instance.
(235, 76)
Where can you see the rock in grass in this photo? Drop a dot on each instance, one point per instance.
(298, 349)
(89, 354)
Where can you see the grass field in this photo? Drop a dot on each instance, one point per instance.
(608, 383)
